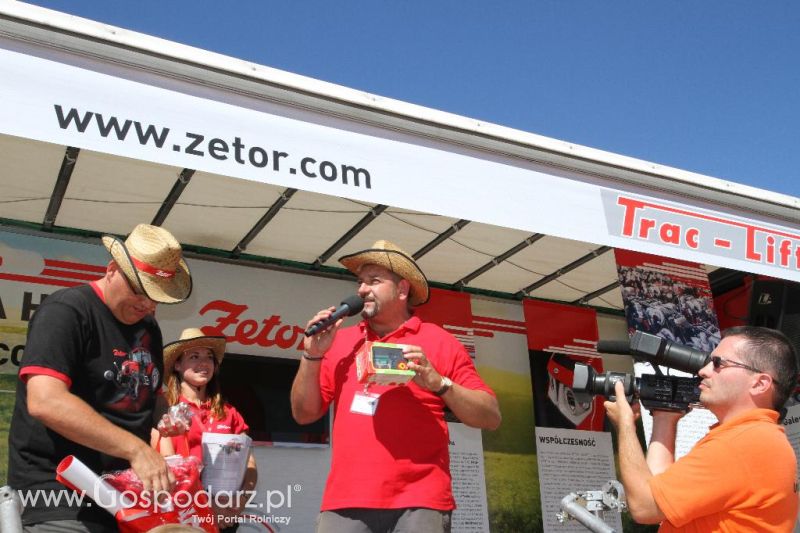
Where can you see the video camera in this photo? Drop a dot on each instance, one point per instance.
(655, 391)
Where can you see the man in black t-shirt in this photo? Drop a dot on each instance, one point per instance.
(90, 379)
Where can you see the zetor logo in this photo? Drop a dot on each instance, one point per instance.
(267, 333)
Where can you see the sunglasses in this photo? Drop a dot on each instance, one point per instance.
(134, 287)
(721, 362)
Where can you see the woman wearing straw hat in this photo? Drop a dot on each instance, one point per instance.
(191, 376)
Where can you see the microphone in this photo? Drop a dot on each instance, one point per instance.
(352, 305)
(619, 347)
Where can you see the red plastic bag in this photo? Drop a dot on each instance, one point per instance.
(120, 493)
(187, 504)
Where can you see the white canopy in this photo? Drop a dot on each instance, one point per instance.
(101, 129)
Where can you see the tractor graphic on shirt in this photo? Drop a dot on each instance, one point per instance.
(135, 376)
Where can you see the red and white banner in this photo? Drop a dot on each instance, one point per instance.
(51, 96)
(559, 336)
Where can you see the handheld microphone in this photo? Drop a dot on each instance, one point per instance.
(352, 305)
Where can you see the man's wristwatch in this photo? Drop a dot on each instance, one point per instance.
(447, 383)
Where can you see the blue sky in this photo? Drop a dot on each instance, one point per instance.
(711, 86)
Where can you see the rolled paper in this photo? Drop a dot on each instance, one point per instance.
(76, 475)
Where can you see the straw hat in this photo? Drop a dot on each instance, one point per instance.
(192, 338)
(151, 259)
(391, 257)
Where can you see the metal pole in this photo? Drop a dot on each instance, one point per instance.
(579, 513)
(10, 511)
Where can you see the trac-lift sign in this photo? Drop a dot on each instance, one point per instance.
(683, 227)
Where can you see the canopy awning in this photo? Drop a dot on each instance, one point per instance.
(101, 129)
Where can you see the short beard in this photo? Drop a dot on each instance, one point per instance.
(368, 313)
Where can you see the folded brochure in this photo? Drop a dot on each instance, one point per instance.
(224, 461)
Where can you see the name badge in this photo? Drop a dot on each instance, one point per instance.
(364, 403)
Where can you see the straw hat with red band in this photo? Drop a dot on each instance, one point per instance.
(391, 257)
(152, 260)
(192, 338)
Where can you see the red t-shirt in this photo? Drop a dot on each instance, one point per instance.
(399, 457)
(203, 422)
(739, 477)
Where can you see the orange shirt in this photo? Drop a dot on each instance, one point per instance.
(739, 477)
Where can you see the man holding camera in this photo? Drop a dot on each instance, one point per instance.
(741, 476)
(390, 463)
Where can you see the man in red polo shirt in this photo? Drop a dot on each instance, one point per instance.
(390, 464)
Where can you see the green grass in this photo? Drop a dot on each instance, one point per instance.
(512, 478)
(7, 382)
(512, 488)
(515, 435)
